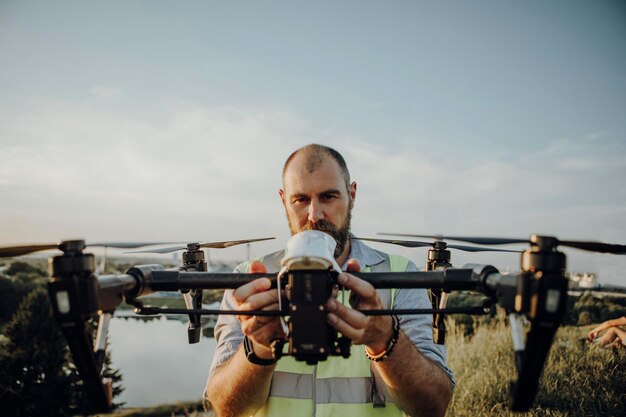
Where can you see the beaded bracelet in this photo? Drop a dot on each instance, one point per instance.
(394, 339)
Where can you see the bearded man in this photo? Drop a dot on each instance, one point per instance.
(394, 366)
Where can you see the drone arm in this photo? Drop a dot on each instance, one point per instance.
(449, 279)
(113, 290)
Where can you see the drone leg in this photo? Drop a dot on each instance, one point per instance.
(517, 332)
(194, 302)
(439, 299)
(101, 339)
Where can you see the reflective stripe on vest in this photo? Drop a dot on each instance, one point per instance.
(336, 386)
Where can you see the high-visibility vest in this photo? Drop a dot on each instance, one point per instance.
(337, 386)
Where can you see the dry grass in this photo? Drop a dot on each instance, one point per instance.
(578, 380)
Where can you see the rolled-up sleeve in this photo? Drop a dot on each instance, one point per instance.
(228, 335)
(418, 327)
(227, 332)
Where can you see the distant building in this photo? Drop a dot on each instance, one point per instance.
(583, 280)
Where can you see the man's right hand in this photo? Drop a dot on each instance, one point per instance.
(257, 295)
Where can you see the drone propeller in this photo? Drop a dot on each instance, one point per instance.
(11, 251)
(476, 240)
(417, 244)
(534, 240)
(213, 245)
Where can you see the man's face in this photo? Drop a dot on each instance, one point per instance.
(317, 199)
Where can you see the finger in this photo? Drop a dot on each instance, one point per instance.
(363, 289)
(353, 318)
(354, 265)
(263, 332)
(254, 323)
(257, 267)
(259, 300)
(266, 319)
(246, 290)
(344, 328)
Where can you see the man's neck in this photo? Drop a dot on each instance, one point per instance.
(344, 255)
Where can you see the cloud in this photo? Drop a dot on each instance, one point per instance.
(78, 165)
(211, 173)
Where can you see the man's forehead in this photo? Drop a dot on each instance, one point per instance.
(321, 174)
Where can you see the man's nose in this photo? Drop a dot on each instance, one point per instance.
(315, 211)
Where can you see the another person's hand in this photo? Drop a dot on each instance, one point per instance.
(596, 330)
(257, 295)
(613, 337)
(374, 332)
(593, 334)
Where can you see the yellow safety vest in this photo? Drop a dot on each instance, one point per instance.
(337, 386)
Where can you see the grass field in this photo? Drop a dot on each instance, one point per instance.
(578, 379)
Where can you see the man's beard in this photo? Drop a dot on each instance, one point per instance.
(340, 234)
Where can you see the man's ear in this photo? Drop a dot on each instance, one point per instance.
(352, 192)
(281, 193)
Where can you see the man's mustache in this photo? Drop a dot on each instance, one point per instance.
(321, 225)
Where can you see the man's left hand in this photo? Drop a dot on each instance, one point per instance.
(374, 332)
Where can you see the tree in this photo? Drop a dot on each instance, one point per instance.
(33, 365)
(38, 377)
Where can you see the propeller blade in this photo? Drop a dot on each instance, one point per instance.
(228, 244)
(129, 245)
(406, 243)
(11, 251)
(158, 250)
(477, 249)
(595, 246)
(416, 244)
(468, 239)
(214, 245)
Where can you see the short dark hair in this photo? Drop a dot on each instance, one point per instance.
(314, 153)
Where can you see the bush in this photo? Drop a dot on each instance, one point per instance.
(25, 267)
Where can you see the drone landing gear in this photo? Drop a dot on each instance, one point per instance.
(193, 260)
(74, 290)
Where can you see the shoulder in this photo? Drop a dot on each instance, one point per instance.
(396, 263)
(271, 261)
(379, 260)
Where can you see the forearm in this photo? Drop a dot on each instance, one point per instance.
(621, 334)
(239, 387)
(618, 322)
(416, 384)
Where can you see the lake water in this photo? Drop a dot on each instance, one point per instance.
(157, 363)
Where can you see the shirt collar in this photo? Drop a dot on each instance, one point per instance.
(362, 253)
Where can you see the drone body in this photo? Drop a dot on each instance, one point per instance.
(309, 273)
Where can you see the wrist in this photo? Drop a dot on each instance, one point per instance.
(261, 351)
(381, 343)
(257, 356)
(384, 354)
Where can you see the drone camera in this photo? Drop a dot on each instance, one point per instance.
(312, 339)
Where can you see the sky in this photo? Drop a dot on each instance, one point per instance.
(161, 120)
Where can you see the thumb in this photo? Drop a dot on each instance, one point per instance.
(354, 266)
(257, 267)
